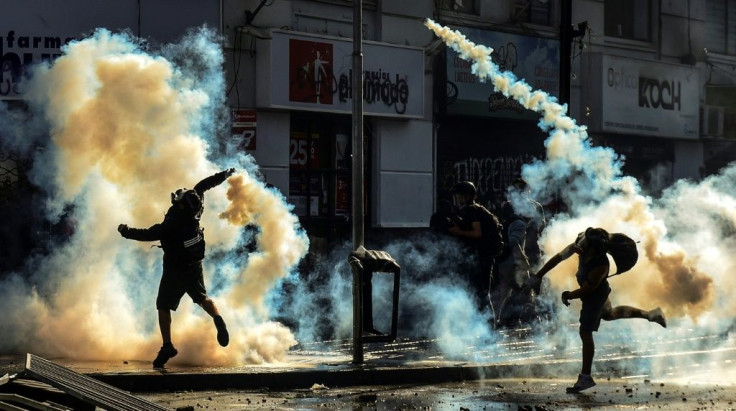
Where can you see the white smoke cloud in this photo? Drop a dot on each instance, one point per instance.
(686, 236)
(127, 127)
(590, 181)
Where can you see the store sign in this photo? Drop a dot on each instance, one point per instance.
(244, 129)
(18, 51)
(534, 59)
(315, 73)
(34, 31)
(645, 98)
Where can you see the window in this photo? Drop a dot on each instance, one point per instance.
(628, 19)
(320, 174)
(720, 28)
(460, 6)
(533, 11)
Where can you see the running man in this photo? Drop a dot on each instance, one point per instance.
(592, 277)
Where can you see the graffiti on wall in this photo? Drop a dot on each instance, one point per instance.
(492, 175)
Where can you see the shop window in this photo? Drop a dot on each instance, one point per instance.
(459, 6)
(320, 173)
(720, 27)
(628, 19)
(533, 11)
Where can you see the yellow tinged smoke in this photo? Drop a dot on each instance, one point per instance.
(122, 135)
(666, 275)
(280, 245)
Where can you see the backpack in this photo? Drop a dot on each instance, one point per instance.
(623, 250)
(492, 232)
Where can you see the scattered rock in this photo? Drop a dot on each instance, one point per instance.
(368, 398)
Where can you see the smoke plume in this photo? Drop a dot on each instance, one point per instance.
(590, 181)
(127, 126)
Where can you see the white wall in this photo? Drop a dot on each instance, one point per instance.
(272, 148)
(403, 192)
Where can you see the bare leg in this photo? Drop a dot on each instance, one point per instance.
(624, 311)
(588, 351)
(223, 337)
(209, 306)
(164, 323)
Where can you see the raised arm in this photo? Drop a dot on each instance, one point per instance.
(152, 233)
(213, 181)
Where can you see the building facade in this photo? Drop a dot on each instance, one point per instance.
(654, 79)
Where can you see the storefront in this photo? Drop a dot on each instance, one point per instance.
(483, 136)
(35, 31)
(304, 103)
(649, 112)
(719, 126)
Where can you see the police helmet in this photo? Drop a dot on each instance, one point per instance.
(465, 187)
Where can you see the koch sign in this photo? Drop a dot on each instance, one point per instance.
(648, 98)
(315, 73)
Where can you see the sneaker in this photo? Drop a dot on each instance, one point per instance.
(223, 337)
(584, 382)
(657, 316)
(166, 353)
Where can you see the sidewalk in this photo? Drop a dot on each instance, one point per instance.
(516, 355)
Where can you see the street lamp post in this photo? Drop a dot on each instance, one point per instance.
(357, 169)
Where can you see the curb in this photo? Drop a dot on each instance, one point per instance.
(354, 376)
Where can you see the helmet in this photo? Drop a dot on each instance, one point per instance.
(189, 199)
(464, 187)
(177, 195)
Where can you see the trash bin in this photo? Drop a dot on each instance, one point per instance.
(364, 264)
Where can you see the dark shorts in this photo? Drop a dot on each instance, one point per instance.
(592, 311)
(178, 280)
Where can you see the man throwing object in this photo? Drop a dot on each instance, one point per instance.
(182, 240)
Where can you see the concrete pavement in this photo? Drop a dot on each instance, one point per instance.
(518, 354)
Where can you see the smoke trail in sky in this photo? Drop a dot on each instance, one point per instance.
(590, 181)
(127, 127)
(686, 236)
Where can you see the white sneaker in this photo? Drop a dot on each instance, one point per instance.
(584, 382)
(657, 316)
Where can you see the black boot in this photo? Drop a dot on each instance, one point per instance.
(166, 353)
(223, 337)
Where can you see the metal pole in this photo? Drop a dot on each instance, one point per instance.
(358, 213)
(565, 50)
